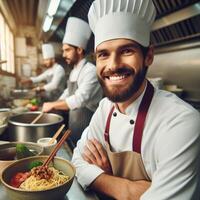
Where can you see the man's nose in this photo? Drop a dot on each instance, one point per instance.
(114, 62)
(63, 55)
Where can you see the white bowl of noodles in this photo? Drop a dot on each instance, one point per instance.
(35, 188)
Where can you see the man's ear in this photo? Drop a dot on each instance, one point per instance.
(150, 55)
(80, 50)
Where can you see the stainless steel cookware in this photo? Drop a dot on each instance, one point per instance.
(21, 129)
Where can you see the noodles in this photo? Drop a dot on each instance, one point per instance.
(33, 183)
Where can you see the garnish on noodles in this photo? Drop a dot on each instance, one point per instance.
(39, 178)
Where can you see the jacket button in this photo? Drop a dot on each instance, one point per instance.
(131, 121)
(114, 114)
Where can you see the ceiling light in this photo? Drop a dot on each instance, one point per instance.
(53, 6)
(47, 23)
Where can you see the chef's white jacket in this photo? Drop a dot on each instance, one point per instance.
(170, 145)
(54, 76)
(89, 91)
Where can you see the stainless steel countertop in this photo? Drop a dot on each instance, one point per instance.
(75, 192)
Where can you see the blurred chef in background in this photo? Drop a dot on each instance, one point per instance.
(54, 76)
(83, 91)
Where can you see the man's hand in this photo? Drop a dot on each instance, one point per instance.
(25, 81)
(48, 106)
(57, 105)
(38, 89)
(94, 153)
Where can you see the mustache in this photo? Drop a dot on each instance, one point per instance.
(119, 71)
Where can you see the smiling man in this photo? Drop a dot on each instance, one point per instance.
(142, 142)
(122, 78)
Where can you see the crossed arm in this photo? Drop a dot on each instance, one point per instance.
(116, 187)
(173, 158)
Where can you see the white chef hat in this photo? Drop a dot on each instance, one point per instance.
(130, 19)
(77, 32)
(48, 51)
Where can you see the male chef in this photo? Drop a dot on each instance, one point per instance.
(142, 143)
(83, 91)
(54, 75)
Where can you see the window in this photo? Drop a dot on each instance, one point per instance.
(6, 46)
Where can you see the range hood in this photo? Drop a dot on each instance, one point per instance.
(177, 21)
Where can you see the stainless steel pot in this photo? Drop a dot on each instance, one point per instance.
(21, 129)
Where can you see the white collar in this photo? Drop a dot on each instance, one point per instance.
(52, 67)
(132, 109)
(80, 63)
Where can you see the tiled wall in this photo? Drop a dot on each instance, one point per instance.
(181, 68)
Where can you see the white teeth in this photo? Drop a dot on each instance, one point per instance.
(116, 78)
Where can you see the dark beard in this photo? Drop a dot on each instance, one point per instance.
(120, 96)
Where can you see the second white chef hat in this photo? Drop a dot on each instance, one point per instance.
(77, 32)
(130, 19)
(48, 51)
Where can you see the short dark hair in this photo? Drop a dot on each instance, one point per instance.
(144, 50)
(75, 47)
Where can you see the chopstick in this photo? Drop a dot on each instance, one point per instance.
(56, 134)
(57, 147)
(37, 118)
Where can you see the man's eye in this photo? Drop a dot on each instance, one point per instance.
(102, 55)
(127, 51)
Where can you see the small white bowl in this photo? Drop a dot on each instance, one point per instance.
(47, 147)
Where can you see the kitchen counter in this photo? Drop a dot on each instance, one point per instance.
(75, 192)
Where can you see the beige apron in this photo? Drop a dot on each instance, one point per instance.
(79, 118)
(129, 164)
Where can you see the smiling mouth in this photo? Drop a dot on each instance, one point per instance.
(117, 77)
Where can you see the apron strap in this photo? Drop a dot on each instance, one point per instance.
(141, 117)
(84, 63)
(106, 133)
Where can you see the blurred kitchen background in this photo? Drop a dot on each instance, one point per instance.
(26, 24)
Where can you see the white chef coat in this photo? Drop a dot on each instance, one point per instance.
(54, 76)
(89, 91)
(170, 145)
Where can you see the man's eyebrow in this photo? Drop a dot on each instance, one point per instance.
(100, 51)
(130, 45)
